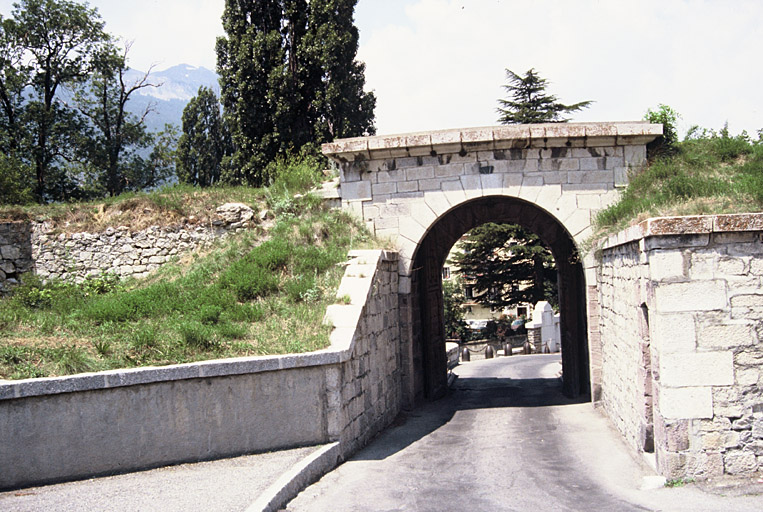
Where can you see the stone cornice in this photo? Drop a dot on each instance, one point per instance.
(492, 138)
(687, 225)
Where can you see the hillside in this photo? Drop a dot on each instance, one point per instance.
(707, 173)
(261, 291)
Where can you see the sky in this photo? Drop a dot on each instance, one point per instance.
(436, 64)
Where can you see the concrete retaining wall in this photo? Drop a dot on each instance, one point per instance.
(55, 429)
(682, 341)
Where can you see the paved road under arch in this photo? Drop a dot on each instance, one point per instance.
(505, 438)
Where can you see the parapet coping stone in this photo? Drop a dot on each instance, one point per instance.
(340, 350)
(488, 138)
(686, 225)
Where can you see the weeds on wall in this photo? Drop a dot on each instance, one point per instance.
(255, 294)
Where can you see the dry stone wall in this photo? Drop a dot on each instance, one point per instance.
(122, 251)
(682, 341)
(15, 252)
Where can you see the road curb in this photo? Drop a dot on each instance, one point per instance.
(297, 478)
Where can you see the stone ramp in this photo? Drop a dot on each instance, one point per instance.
(260, 482)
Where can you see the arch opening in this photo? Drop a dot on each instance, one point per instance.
(428, 331)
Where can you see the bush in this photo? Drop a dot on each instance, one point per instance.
(302, 288)
(209, 314)
(295, 173)
(668, 118)
(197, 335)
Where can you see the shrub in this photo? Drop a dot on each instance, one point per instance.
(301, 288)
(100, 284)
(231, 331)
(668, 118)
(197, 335)
(246, 313)
(209, 314)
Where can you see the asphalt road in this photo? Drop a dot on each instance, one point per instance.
(505, 439)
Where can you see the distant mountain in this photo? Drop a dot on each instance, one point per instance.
(175, 87)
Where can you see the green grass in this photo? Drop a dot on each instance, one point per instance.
(254, 294)
(707, 173)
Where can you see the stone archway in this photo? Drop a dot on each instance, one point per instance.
(428, 336)
(422, 189)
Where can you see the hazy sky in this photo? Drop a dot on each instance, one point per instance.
(440, 63)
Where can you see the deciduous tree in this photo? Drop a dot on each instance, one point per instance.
(115, 135)
(58, 42)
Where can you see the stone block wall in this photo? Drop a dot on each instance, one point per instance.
(15, 252)
(401, 184)
(682, 322)
(367, 388)
(624, 378)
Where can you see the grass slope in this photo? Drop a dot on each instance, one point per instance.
(707, 173)
(256, 293)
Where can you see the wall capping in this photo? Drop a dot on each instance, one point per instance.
(488, 138)
(686, 225)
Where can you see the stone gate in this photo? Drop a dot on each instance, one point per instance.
(425, 190)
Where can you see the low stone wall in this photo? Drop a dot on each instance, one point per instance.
(35, 246)
(125, 252)
(682, 342)
(66, 428)
(15, 252)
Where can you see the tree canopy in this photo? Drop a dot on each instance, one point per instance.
(204, 142)
(65, 131)
(529, 103)
(288, 78)
(507, 265)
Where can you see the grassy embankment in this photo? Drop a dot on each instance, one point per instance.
(264, 291)
(707, 173)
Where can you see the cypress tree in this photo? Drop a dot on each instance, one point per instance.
(202, 146)
(289, 78)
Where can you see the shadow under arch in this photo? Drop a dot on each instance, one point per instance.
(428, 331)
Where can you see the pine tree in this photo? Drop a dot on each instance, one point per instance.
(507, 265)
(203, 145)
(529, 102)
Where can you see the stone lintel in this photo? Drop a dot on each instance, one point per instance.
(491, 138)
(687, 225)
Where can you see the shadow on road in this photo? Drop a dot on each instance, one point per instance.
(467, 393)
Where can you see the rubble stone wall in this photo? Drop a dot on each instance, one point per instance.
(26, 246)
(682, 323)
(15, 252)
(72, 257)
